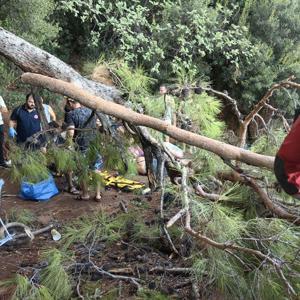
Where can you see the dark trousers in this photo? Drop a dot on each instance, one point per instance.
(1, 143)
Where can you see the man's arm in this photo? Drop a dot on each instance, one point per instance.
(12, 123)
(3, 108)
(52, 113)
(70, 131)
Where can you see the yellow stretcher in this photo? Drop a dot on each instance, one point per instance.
(120, 182)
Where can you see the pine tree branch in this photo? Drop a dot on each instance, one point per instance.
(120, 112)
(262, 103)
(263, 196)
(229, 99)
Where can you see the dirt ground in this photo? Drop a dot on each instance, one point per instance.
(59, 210)
(136, 259)
(62, 209)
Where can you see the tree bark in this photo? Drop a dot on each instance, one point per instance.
(35, 60)
(32, 59)
(223, 150)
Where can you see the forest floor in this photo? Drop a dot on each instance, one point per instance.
(122, 257)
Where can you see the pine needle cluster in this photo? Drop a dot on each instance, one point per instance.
(97, 227)
(238, 275)
(269, 142)
(24, 216)
(52, 282)
(30, 166)
(26, 290)
(62, 158)
(203, 111)
(54, 277)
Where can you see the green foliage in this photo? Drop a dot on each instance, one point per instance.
(146, 294)
(134, 31)
(23, 215)
(26, 290)
(143, 233)
(206, 163)
(132, 81)
(269, 143)
(8, 74)
(98, 227)
(242, 198)
(226, 270)
(153, 106)
(54, 276)
(113, 154)
(278, 46)
(64, 159)
(30, 20)
(265, 286)
(204, 110)
(30, 166)
(221, 222)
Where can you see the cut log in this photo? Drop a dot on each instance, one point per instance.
(97, 103)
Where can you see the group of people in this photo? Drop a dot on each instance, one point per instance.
(25, 122)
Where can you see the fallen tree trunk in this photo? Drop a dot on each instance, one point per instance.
(32, 59)
(97, 103)
(35, 60)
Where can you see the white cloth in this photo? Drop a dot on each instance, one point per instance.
(2, 105)
(47, 112)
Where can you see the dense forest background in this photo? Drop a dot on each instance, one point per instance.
(241, 47)
(247, 249)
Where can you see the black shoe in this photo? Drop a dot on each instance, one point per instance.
(5, 165)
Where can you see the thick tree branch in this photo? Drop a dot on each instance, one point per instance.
(262, 103)
(229, 99)
(32, 59)
(118, 111)
(263, 196)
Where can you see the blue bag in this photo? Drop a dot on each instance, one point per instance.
(40, 191)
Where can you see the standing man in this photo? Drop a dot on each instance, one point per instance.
(3, 109)
(24, 121)
(80, 117)
(170, 107)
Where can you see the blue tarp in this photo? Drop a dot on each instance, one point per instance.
(40, 191)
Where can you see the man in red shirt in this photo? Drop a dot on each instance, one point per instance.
(287, 161)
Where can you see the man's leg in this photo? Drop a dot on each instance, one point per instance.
(2, 161)
(85, 192)
(71, 188)
(98, 190)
